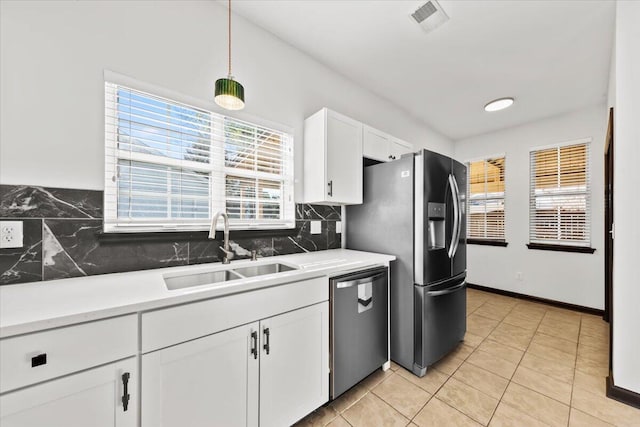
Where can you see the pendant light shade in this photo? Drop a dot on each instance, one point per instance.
(229, 94)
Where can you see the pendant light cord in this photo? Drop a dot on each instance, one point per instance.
(229, 26)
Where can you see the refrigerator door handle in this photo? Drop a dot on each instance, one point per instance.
(446, 291)
(458, 213)
(455, 214)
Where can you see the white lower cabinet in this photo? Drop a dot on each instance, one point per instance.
(294, 373)
(89, 398)
(267, 373)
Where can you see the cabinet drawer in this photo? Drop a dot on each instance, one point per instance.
(170, 326)
(40, 356)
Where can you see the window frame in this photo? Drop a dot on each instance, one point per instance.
(487, 241)
(216, 169)
(558, 244)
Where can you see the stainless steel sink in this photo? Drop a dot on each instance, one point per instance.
(210, 277)
(260, 270)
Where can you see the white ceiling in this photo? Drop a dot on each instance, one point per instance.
(552, 56)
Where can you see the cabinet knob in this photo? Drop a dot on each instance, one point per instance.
(39, 360)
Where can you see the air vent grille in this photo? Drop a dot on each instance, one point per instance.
(425, 11)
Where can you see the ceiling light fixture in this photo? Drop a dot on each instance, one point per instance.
(498, 104)
(229, 93)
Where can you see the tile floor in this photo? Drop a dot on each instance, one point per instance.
(521, 364)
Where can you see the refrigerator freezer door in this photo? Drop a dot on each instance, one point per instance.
(459, 259)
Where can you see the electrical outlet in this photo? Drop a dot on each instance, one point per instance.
(519, 276)
(10, 234)
(316, 227)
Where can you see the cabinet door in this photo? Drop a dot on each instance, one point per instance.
(91, 398)
(210, 381)
(375, 145)
(343, 159)
(294, 372)
(397, 148)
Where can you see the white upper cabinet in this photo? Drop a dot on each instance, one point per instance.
(383, 147)
(332, 159)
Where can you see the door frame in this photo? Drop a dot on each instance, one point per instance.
(609, 230)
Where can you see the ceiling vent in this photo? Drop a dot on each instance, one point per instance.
(430, 16)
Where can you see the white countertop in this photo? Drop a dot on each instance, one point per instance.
(30, 307)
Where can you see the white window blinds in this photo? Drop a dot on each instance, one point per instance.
(559, 202)
(486, 189)
(170, 166)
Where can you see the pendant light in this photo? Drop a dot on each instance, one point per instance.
(229, 94)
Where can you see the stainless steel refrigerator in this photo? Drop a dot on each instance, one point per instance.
(415, 208)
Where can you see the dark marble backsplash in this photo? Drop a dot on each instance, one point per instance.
(62, 238)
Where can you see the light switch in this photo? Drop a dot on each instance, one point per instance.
(316, 227)
(338, 227)
(10, 234)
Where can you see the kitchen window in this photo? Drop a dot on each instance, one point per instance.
(560, 197)
(486, 189)
(170, 166)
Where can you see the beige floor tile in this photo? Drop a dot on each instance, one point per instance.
(560, 329)
(501, 350)
(438, 413)
(522, 321)
(593, 367)
(599, 406)
(536, 405)
(339, 422)
(402, 395)
(569, 347)
(554, 370)
(560, 314)
(373, 411)
(591, 383)
(376, 378)
(483, 380)
(508, 416)
(472, 340)
(320, 417)
(552, 355)
(541, 383)
(597, 343)
(593, 353)
(431, 382)
(529, 310)
(513, 336)
(491, 363)
(350, 397)
(468, 400)
(580, 419)
(448, 364)
(480, 325)
(395, 366)
(493, 311)
(462, 351)
(599, 329)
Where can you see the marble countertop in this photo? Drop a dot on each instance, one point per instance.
(31, 307)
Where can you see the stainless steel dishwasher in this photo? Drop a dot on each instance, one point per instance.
(358, 320)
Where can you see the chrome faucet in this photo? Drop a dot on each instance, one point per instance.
(228, 254)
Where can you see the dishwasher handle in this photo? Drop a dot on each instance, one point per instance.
(362, 281)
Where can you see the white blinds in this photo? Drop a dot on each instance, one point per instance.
(559, 202)
(170, 166)
(486, 190)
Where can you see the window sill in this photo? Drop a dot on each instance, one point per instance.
(561, 248)
(177, 236)
(487, 242)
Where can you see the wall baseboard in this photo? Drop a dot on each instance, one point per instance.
(560, 304)
(620, 394)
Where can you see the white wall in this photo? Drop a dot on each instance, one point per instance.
(574, 278)
(53, 54)
(626, 282)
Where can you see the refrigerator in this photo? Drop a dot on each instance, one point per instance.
(415, 208)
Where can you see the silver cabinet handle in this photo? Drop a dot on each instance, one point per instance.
(362, 281)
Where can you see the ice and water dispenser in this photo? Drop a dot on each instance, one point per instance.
(436, 231)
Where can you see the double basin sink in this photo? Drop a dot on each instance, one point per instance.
(220, 276)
